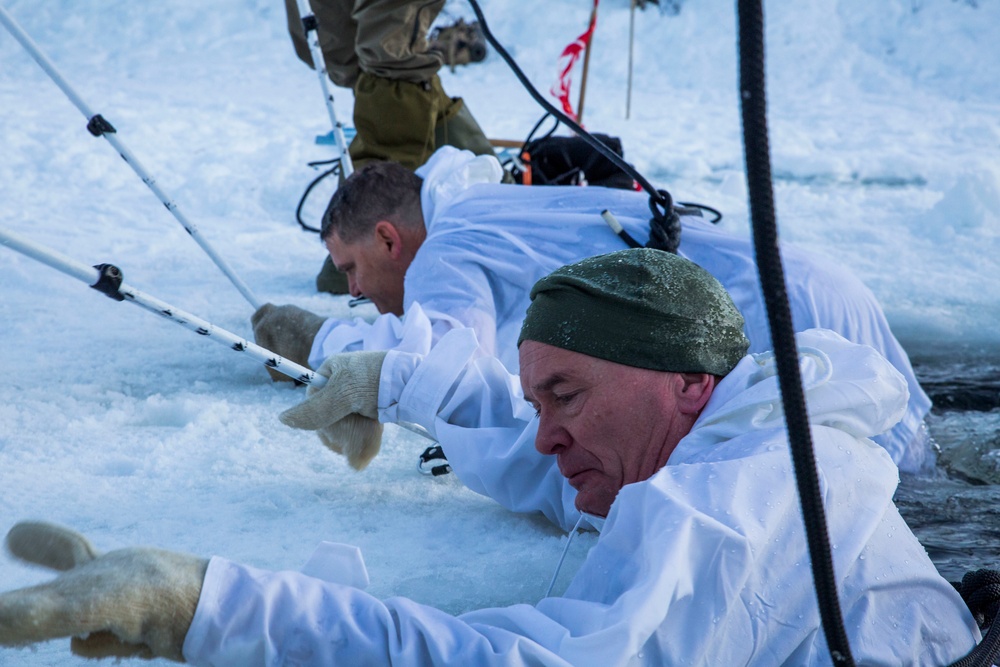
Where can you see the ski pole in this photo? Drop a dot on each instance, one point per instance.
(108, 279)
(310, 26)
(98, 126)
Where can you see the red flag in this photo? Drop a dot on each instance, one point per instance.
(567, 59)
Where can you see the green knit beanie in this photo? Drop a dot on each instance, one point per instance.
(639, 307)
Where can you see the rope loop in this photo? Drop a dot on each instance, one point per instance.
(665, 225)
(981, 591)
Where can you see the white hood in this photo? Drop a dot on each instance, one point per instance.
(847, 387)
(451, 171)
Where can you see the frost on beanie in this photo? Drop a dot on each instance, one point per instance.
(639, 307)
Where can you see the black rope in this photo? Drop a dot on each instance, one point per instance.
(751, 50)
(665, 225)
(985, 653)
(664, 216)
(981, 591)
(549, 107)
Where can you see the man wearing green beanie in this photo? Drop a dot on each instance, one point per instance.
(639, 309)
(611, 341)
(459, 249)
(637, 413)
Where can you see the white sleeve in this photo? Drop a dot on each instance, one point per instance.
(475, 410)
(616, 604)
(247, 616)
(416, 332)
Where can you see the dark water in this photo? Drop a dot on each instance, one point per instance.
(956, 512)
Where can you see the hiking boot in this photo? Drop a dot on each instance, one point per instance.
(406, 122)
(330, 279)
(458, 44)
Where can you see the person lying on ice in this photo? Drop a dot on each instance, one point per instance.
(459, 249)
(642, 413)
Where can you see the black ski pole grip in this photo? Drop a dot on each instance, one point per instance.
(109, 281)
(99, 125)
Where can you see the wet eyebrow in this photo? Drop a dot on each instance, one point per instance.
(549, 383)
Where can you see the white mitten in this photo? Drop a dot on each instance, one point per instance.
(130, 602)
(344, 412)
(286, 330)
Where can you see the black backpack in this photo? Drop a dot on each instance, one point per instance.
(553, 160)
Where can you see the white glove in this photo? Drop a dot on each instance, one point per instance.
(344, 412)
(130, 602)
(288, 331)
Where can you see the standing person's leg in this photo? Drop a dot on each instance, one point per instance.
(401, 111)
(456, 126)
(337, 37)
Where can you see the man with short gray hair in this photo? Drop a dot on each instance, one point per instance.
(468, 256)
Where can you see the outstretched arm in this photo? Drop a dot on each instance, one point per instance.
(475, 409)
(131, 602)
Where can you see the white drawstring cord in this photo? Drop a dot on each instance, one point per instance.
(563, 557)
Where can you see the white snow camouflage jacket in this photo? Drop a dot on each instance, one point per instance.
(488, 243)
(705, 563)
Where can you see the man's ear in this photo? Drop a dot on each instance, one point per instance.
(694, 390)
(387, 236)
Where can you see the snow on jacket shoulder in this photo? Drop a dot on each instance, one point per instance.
(824, 295)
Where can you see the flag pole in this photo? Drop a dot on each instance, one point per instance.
(586, 64)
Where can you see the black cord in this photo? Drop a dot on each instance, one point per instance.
(569, 122)
(335, 169)
(665, 224)
(981, 591)
(717, 215)
(772, 279)
(985, 653)
(552, 130)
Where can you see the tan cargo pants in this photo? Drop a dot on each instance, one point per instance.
(379, 48)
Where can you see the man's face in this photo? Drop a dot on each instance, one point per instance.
(608, 424)
(372, 270)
